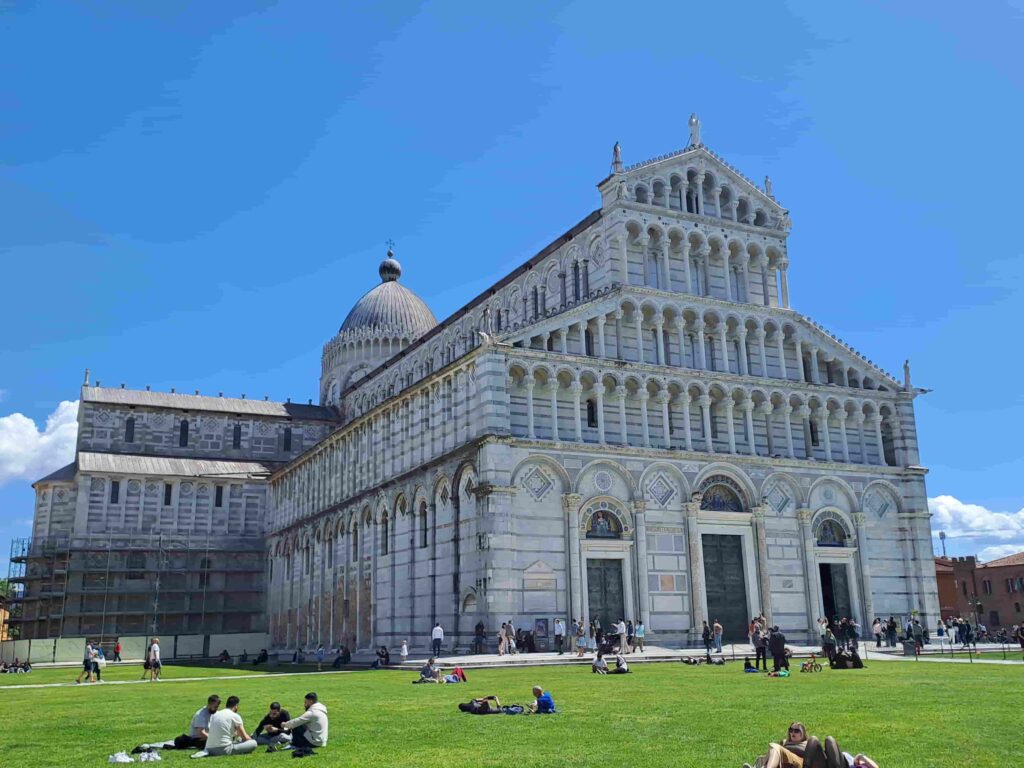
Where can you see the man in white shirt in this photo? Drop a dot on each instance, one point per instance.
(621, 667)
(86, 665)
(153, 657)
(437, 637)
(559, 636)
(309, 729)
(227, 732)
(198, 730)
(621, 629)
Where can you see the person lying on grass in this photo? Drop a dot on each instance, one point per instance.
(198, 731)
(799, 750)
(485, 705)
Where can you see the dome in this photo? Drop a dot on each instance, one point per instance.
(391, 306)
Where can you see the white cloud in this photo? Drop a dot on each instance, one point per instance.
(961, 520)
(989, 554)
(28, 452)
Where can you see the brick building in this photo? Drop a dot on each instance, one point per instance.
(992, 593)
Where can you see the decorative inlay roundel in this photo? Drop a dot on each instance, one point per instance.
(537, 482)
(828, 493)
(603, 481)
(158, 420)
(134, 486)
(185, 489)
(203, 489)
(96, 484)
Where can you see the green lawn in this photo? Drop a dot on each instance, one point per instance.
(905, 714)
(128, 672)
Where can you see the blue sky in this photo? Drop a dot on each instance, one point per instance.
(194, 195)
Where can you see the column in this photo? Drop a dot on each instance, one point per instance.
(799, 359)
(867, 603)
(858, 422)
(600, 320)
(727, 274)
(763, 576)
(705, 258)
(699, 184)
(571, 505)
(876, 422)
(553, 387)
(815, 378)
(810, 572)
(639, 509)
(659, 328)
(787, 413)
(529, 384)
(805, 418)
(618, 334)
(599, 407)
(705, 410)
(665, 420)
(744, 273)
(684, 254)
(841, 418)
(766, 410)
(780, 341)
(687, 436)
(748, 425)
(681, 331)
(766, 300)
(582, 325)
(620, 393)
(729, 427)
(638, 319)
(698, 344)
(696, 563)
(762, 354)
(622, 241)
(723, 342)
(716, 195)
(577, 420)
(643, 396)
(783, 266)
(563, 340)
(822, 415)
(666, 282)
(741, 337)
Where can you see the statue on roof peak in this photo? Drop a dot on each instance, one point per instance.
(695, 130)
(617, 158)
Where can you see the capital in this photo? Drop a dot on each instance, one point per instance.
(529, 383)
(620, 392)
(787, 409)
(663, 397)
(859, 519)
(704, 401)
(759, 334)
(601, 319)
(640, 506)
(759, 512)
(729, 404)
(571, 501)
(747, 404)
(766, 408)
(783, 264)
(576, 387)
(804, 516)
(643, 395)
(804, 411)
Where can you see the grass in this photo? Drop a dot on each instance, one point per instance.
(120, 672)
(903, 714)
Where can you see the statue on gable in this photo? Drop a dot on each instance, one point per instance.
(695, 130)
(622, 193)
(906, 375)
(768, 186)
(617, 158)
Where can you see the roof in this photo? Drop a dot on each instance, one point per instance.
(391, 305)
(134, 464)
(62, 475)
(117, 396)
(1014, 559)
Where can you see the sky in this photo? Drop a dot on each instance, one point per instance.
(195, 194)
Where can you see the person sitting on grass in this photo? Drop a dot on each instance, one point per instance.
(224, 657)
(261, 658)
(309, 729)
(273, 723)
(227, 733)
(486, 705)
(383, 658)
(599, 666)
(198, 731)
(430, 672)
(621, 667)
(543, 704)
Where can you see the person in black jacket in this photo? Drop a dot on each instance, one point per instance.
(705, 635)
(760, 641)
(777, 648)
(272, 723)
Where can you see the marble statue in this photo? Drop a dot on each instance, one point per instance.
(694, 130)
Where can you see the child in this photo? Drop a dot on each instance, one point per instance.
(405, 651)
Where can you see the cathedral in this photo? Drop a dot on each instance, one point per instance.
(632, 424)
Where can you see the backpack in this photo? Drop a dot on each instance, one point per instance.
(513, 709)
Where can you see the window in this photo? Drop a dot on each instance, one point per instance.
(168, 489)
(355, 542)
(183, 435)
(588, 342)
(330, 553)
(963, 586)
(306, 560)
(384, 531)
(986, 587)
(136, 566)
(287, 439)
(115, 491)
(814, 432)
(1016, 607)
(592, 413)
(236, 437)
(536, 302)
(423, 526)
(129, 430)
(204, 572)
(218, 496)
(551, 343)
(993, 618)
(709, 345)
(714, 421)
(576, 280)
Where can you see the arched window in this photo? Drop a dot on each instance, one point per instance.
(385, 530)
(592, 413)
(183, 434)
(423, 526)
(469, 604)
(588, 342)
(551, 343)
(355, 541)
(576, 280)
(831, 534)
(129, 430)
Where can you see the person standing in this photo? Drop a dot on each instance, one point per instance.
(630, 634)
(876, 629)
(718, 631)
(86, 665)
(96, 658)
(777, 647)
(559, 636)
(638, 635)
(705, 635)
(153, 657)
(227, 732)
(478, 637)
(760, 649)
(320, 653)
(503, 639)
(511, 640)
(404, 651)
(437, 638)
(117, 650)
(620, 629)
(573, 635)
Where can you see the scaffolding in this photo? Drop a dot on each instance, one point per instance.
(104, 586)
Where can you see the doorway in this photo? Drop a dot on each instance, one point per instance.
(726, 585)
(604, 591)
(835, 591)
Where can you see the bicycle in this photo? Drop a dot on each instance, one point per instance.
(811, 665)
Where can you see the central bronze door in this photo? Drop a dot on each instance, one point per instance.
(604, 591)
(726, 585)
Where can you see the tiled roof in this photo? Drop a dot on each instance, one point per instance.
(1014, 559)
(62, 475)
(116, 396)
(134, 464)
